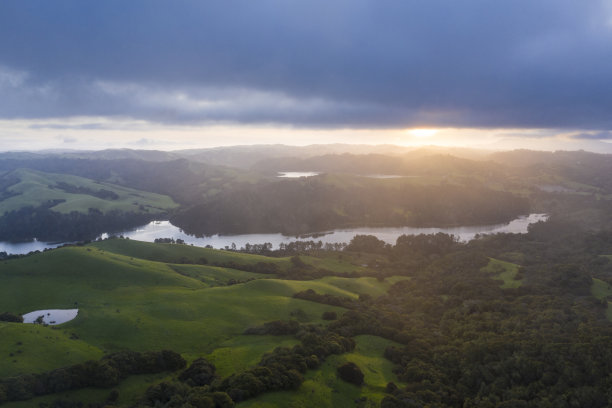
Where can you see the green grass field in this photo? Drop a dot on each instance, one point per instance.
(333, 263)
(172, 253)
(130, 296)
(504, 271)
(28, 348)
(36, 188)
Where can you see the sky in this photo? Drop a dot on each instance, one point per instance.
(168, 75)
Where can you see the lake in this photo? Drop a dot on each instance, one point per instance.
(164, 229)
(25, 247)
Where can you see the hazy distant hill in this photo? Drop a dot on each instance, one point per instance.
(418, 162)
(184, 180)
(580, 167)
(108, 154)
(247, 156)
(249, 197)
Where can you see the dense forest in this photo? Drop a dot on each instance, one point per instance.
(469, 342)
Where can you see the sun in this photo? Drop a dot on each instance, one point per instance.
(422, 133)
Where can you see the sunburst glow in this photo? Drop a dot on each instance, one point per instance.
(423, 133)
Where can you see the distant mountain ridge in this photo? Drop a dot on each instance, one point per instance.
(236, 189)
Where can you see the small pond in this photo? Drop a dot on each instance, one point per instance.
(51, 316)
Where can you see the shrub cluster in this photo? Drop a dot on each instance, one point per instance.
(10, 317)
(275, 328)
(351, 373)
(105, 373)
(283, 368)
(326, 299)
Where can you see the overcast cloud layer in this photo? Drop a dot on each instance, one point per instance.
(315, 63)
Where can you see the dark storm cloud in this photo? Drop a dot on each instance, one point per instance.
(362, 63)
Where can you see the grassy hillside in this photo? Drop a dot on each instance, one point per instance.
(182, 253)
(25, 187)
(34, 348)
(126, 302)
(130, 296)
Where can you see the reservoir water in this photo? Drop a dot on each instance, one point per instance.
(164, 229)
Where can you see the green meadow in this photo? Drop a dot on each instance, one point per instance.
(34, 188)
(134, 295)
(28, 348)
(170, 253)
(504, 271)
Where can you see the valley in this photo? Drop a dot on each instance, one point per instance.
(429, 316)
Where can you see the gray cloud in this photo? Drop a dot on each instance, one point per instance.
(84, 126)
(356, 63)
(607, 135)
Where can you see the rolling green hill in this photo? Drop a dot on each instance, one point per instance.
(182, 253)
(62, 207)
(131, 296)
(25, 187)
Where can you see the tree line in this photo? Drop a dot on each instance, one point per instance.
(43, 223)
(104, 373)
